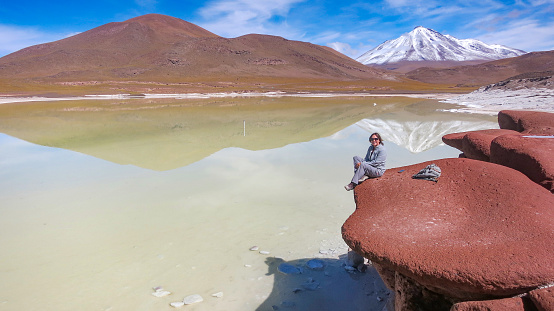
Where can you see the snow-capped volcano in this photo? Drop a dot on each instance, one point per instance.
(423, 44)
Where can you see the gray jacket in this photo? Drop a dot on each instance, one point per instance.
(376, 158)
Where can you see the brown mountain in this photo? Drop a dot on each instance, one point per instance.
(487, 73)
(159, 48)
(407, 66)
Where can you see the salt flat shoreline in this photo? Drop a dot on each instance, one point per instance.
(480, 102)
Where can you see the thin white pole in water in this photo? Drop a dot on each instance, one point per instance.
(244, 126)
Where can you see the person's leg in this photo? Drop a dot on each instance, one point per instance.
(372, 171)
(356, 160)
(358, 174)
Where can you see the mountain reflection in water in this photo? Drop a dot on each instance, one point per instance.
(165, 134)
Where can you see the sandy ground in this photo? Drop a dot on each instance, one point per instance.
(491, 102)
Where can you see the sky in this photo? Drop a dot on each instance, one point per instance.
(350, 26)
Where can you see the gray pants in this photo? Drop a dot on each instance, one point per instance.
(364, 169)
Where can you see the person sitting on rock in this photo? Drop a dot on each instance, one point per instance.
(373, 165)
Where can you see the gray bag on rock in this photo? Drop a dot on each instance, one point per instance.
(431, 172)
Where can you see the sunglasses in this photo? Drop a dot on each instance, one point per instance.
(371, 139)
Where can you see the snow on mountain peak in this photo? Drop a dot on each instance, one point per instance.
(424, 44)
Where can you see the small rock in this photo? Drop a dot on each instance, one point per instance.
(315, 264)
(379, 298)
(161, 293)
(288, 269)
(193, 299)
(297, 290)
(254, 248)
(218, 295)
(264, 252)
(310, 285)
(350, 268)
(177, 304)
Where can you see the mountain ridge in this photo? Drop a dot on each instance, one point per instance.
(424, 44)
(489, 72)
(157, 47)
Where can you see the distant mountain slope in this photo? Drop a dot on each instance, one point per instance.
(487, 73)
(162, 48)
(423, 44)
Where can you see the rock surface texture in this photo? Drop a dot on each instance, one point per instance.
(481, 238)
(527, 122)
(531, 155)
(525, 142)
(475, 144)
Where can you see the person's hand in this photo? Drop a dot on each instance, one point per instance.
(358, 165)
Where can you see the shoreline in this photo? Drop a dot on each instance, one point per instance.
(16, 99)
(479, 102)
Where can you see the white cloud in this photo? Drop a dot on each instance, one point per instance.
(14, 38)
(397, 3)
(344, 48)
(348, 50)
(232, 18)
(526, 35)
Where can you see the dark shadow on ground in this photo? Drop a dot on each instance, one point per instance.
(330, 288)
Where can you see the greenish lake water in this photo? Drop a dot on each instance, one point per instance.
(103, 200)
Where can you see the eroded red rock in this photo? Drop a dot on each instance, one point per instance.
(511, 304)
(475, 144)
(454, 140)
(482, 231)
(527, 122)
(543, 298)
(531, 155)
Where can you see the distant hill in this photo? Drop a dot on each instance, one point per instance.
(490, 72)
(156, 47)
(426, 47)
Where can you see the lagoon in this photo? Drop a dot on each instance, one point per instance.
(104, 200)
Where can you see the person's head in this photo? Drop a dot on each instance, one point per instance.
(375, 139)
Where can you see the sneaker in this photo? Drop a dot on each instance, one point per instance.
(350, 186)
(363, 178)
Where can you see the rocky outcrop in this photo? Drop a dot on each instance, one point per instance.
(543, 298)
(473, 235)
(475, 144)
(538, 300)
(478, 239)
(525, 142)
(527, 122)
(512, 304)
(531, 155)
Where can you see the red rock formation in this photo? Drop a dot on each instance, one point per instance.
(527, 122)
(475, 144)
(482, 231)
(531, 155)
(511, 304)
(514, 145)
(543, 298)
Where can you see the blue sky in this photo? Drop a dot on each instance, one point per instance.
(350, 26)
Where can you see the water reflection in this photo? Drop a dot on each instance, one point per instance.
(166, 134)
(82, 233)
